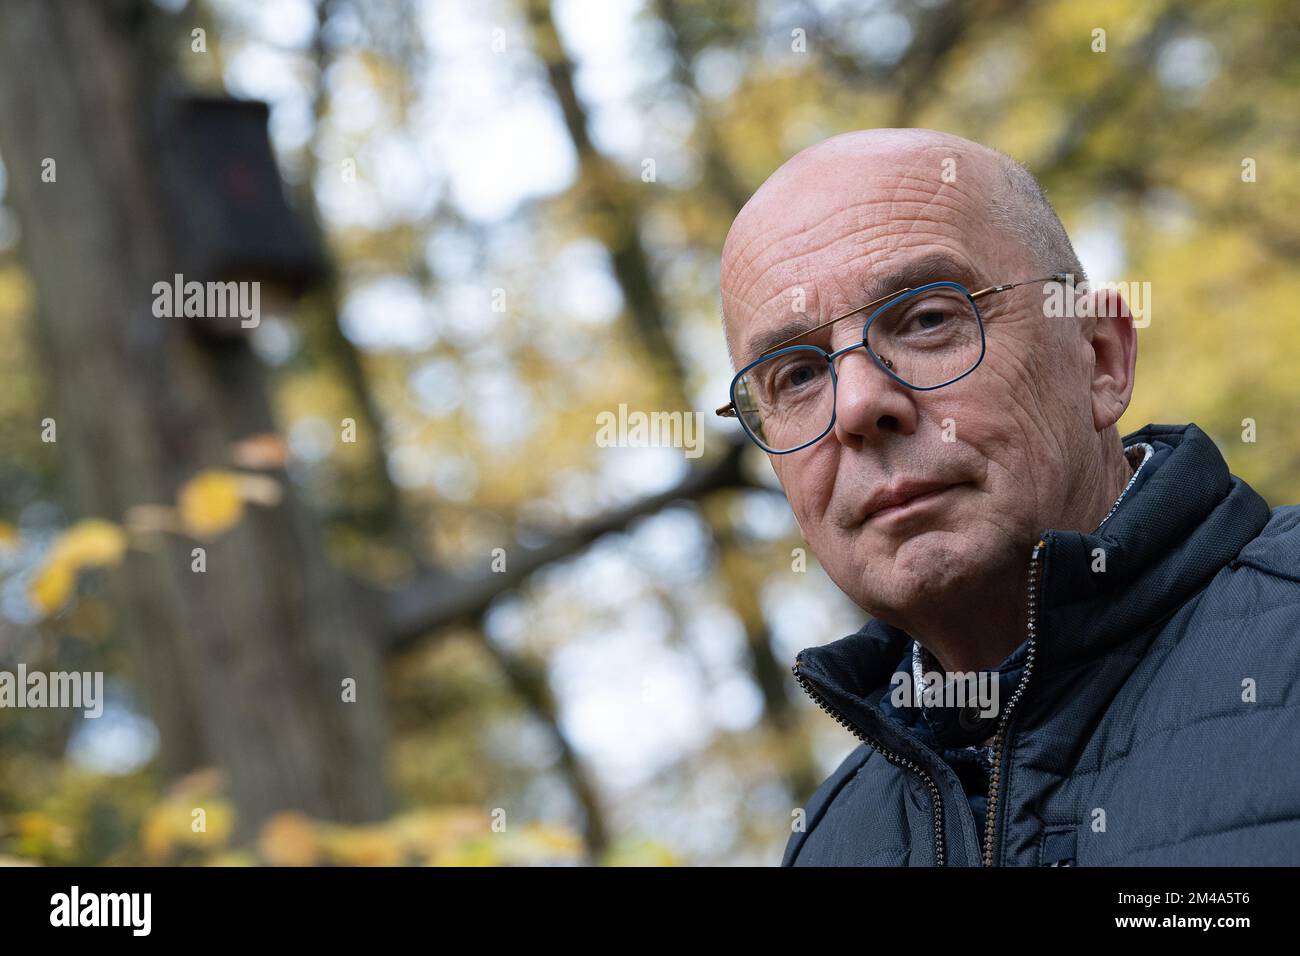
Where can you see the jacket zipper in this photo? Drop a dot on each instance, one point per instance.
(935, 798)
(999, 740)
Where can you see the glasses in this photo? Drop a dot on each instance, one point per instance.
(924, 338)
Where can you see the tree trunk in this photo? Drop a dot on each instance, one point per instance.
(243, 664)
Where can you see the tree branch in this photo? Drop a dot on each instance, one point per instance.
(438, 600)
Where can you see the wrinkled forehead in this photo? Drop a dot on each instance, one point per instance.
(828, 237)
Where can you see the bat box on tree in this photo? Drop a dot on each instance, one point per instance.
(230, 216)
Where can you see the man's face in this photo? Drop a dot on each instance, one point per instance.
(1007, 445)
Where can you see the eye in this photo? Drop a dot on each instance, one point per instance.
(796, 374)
(928, 321)
(800, 375)
(931, 318)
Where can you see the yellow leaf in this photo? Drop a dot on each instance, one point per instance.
(171, 826)
(559, 839)
(210, 503)
(158, 833)
(8, 536)
(480, 852)
(289, 839)
(93, 543)
(425, 833)
(364, 846)
(36, 825)
(640, 853)
(53, 586)
(40, 834)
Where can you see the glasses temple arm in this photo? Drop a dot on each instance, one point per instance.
(1054, 277)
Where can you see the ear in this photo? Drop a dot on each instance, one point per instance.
(1114, 346)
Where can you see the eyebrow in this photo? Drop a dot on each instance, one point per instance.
(930, 268)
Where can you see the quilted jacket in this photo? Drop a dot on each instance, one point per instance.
(1156, 720)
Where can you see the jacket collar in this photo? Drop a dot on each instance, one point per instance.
(1176, 530)
(1190, 518)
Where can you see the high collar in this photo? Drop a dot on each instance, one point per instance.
(1190, 519)
(1186, 520)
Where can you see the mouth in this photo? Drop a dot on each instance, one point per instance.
(905, 500)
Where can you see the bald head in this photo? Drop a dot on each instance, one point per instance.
(886, 169)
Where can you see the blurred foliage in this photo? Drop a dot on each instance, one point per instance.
(93, 819)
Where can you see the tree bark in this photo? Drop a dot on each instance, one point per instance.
(243, 664)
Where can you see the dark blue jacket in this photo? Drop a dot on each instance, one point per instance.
(1155, 719)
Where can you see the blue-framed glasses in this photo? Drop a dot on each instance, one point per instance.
(923, 338)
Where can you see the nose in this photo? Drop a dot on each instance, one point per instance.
(870, 404)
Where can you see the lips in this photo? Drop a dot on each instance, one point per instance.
(892, 498)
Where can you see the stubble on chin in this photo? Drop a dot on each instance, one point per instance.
(920, 574)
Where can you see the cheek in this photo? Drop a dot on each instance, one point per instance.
(1009, 402)
(970, 423)
(808, 484)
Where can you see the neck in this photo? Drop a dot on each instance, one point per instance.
(961, 642)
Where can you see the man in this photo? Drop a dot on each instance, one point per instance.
(938, 391)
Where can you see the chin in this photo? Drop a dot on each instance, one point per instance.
(925, 569)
